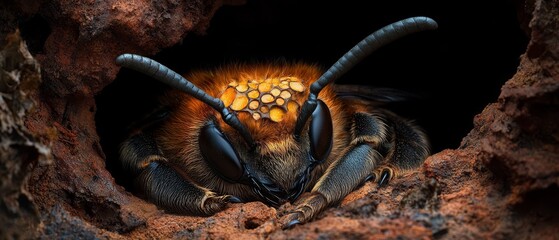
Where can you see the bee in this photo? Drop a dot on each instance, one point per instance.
(269, 132)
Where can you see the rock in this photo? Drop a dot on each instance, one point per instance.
(20, 150)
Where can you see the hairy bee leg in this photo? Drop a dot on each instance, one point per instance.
(314, 203)
(160, 182)
(407, 146)
(340, 179)
(346, 173)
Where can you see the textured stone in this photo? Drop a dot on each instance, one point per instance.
(20, 150)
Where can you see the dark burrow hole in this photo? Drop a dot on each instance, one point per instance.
(35, 31)
(454, 71)
(252, 223)
(539, 208)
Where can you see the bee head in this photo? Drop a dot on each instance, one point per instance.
(266, 99)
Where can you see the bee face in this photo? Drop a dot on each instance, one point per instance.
(279, 163)
(279, 169)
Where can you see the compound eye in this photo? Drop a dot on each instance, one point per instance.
(320, 132)
(219, 154)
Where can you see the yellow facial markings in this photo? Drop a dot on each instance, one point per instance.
(277, 113)
(228, 96)
(267, 98)
(253, 94)
(253, 84)
(297, 86)
(264, 87)
(270, 98)
(285, 94)
(242, 87)
(239, 103)
(292, 106)
(253, 105)
(275, 92)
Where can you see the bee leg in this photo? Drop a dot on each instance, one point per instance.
(164, 184)
(346, 173)
(407, 147)
(340, 179)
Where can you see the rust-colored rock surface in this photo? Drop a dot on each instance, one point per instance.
(19, 149)
(503, 181)
(88, 35)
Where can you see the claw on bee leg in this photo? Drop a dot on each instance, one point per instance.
(306, 210)
(293, 218)
(371, 177)
(386, 174)
(291, 224)
(233, 199)
(213, 203)
(384, 178)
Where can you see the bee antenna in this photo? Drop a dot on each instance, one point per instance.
(377, 39)
(162, 73)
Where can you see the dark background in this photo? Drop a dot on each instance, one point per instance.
(455, 70)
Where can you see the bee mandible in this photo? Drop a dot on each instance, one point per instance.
(269, 132)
